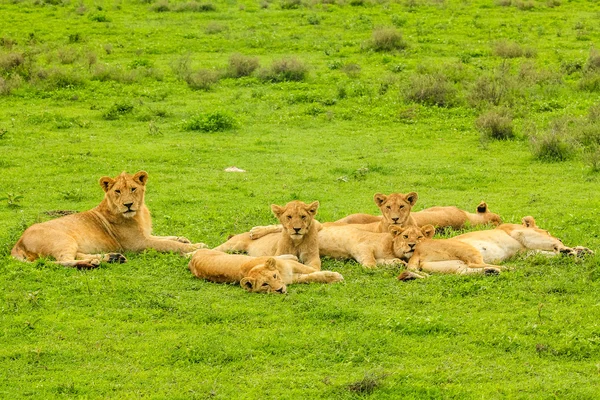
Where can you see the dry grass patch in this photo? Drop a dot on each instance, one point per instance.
(285, 69)
(241, 65)
(495, 125)
(431, 89)
(387, 39)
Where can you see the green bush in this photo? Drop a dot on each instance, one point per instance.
(387, 39)
(241, 65)
(552, 146)
(496, 125)
(429, 89)
(211, 122)
(117, 110)
(285, 69)
(202, 79)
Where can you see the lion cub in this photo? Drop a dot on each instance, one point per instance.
(121, 222)
(370, 248)
(298, 235)
(257, 274)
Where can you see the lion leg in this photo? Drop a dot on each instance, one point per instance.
(410, 275)
(318, 277)
(180, 239)
(366, 258)
(108, 257)
(159, 244)
(259, 231)
(390, 261)
(235, 243)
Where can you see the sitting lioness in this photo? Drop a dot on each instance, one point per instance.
(297, 235)
(121, 222)
(257, 274)
(484, 247)
(440, 217)
(370, 248)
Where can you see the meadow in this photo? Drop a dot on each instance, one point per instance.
(329, 100)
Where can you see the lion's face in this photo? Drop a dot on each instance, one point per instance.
(533, 237)
(125, 193)
(296, 217)
(264, 278)
(396, 207)
(406, 239)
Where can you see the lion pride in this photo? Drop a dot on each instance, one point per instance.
(121, 222)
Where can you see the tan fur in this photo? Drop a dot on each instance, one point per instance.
(121, 222)
(440, 217)
(257, 274)
(370, 248)
(297, 235)
(474, 251)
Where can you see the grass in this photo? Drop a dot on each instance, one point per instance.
(323, 116)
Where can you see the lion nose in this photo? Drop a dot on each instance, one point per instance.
(395, 219)
(297, 230)
(128, 205)
(280, 290)
(412, 245)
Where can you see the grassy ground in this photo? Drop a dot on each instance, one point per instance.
(94, 88)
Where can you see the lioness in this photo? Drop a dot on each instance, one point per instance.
(371, 248)
(492, 245)
(257, 274)
(297, 235)
(440, 217)
(121, 222)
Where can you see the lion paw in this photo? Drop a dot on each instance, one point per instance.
(333, 276)
(115, 258)
(491, 271)
(182, 239)
(580, 251)
(287, 257)
(91, 264)
(409, 276)
(391, 261)
(197, 246)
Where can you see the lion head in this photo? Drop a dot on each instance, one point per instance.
(489, 217)
(124, 194)
(534, 237)
(396, 207)
(264, 278)
(407, 238)
(296, 217)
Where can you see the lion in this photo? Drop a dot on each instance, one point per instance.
(440, 217)
(257, 274)
(121, 222)
(371, 249)
(297, 235)
(474, 252)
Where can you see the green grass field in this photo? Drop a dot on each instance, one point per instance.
(328, 100)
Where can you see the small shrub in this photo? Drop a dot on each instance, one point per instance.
(7, 43)
(507, 49)
(161, 6)
(56, 78)
(593, 62)
(489, 90)
(202, 79)
(495, 125)
(431, 90)
(241, 65)
(524, 5)
(11, 61)
(591, 157)
(590, 82)
(290, 4)
(194, 6)
(75, 38)
(352, 70)
(213, 28)
(594, 113)
(366, 385)
(387, 39)
(211, 122)
(181, 67)
(553, 146)
(99, 17)
(117, 110)
(504, 3)
(285, 69)
(67, 55)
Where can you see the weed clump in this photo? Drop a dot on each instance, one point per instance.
(489, 89)
(285, 69)
(117, 110)
(387, 39)
(241, 65)
(495, 125)
(555, 145)
(211, 122)
(431, 89)
(290, 4)
(202, 79)
(507, 49)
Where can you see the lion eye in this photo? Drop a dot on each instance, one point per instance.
(275, 276)
(401, 207)
(389, 207)
(405, 236)
(303, 217)
(420, 237)
(289, 217)
(265, 284)
(133, 190)
(117, 191)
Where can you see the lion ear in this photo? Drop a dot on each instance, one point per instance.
(277, 210)
(379, 199)
(247, 283)
(141, 177)
(106, 182)
(313, 207)
(271, 264)
(529, 222)
(396, 230)
(428, 231)
(482, 207)
(412, 198)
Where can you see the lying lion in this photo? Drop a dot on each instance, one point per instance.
(472, 252)
(440, 217)
(121, 222)
(296, 235)
(257, 274)
(370, 248)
